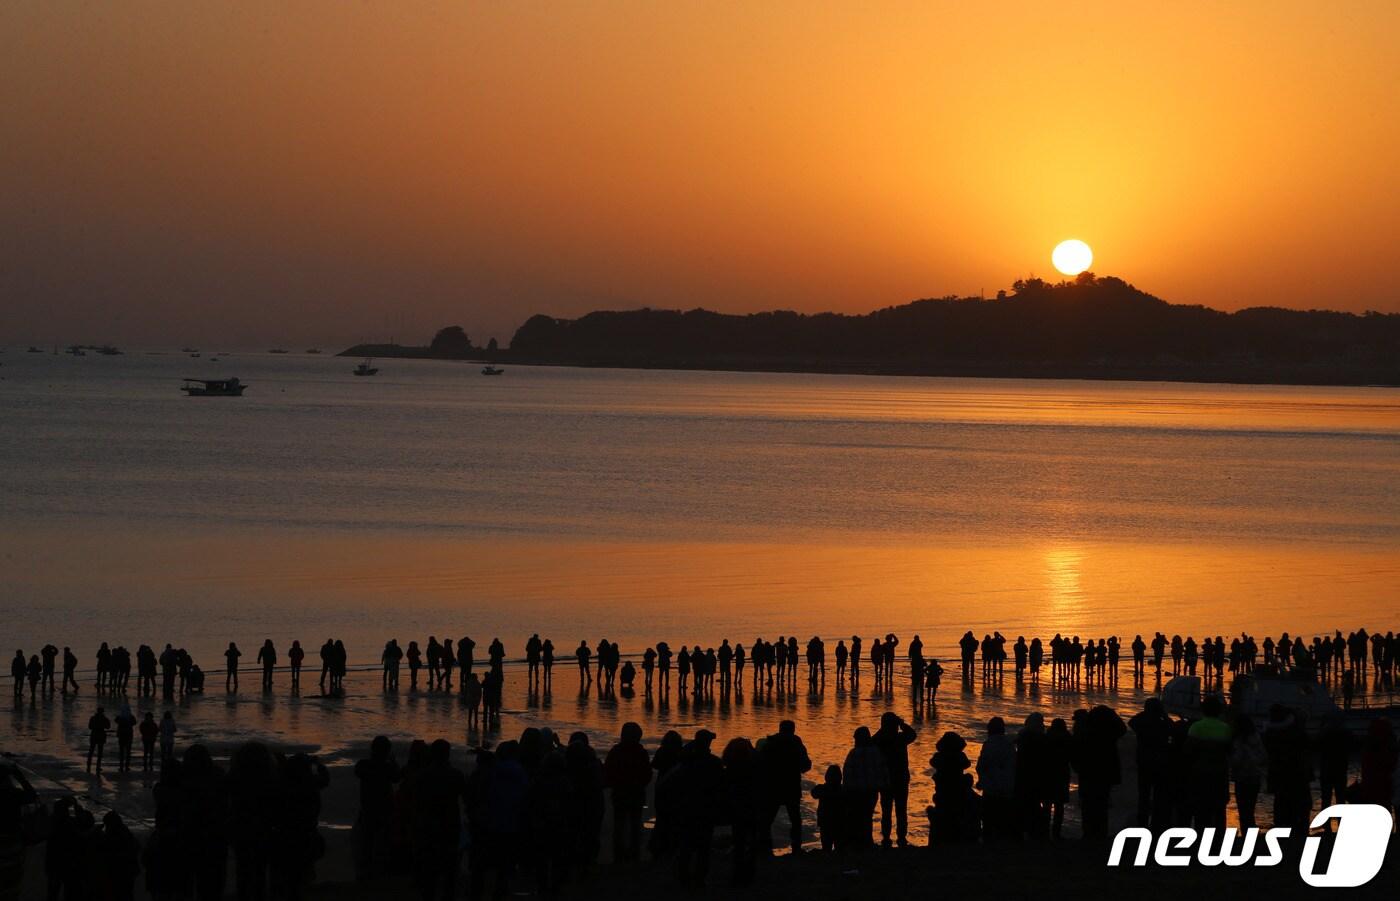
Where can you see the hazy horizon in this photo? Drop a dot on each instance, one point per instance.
(321, 175)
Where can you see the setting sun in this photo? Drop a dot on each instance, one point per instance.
(1072, 257)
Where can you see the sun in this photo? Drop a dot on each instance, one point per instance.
(1072, 257)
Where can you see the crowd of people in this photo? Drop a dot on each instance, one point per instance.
(1351, 662)
(533, 809)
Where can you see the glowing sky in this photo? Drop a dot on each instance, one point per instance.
(316, 172)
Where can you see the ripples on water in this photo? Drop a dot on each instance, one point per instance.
(684, 506)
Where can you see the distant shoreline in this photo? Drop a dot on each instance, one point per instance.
(1101, 329)
(1199, 374)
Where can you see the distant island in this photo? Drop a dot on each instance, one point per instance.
(1091, 327)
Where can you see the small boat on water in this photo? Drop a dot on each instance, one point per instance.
(213, 387)
(488, 369)
(34, 350)
(365, 368)
(277, 350)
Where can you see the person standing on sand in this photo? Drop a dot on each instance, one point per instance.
(783, 759)
(466, 650)
(449, 660)
(295, 655)
(50, 655)
(149, 733)
(17, 671)
(267, 656)
(231, 677)
(864, 775)
(98, 726)
(415, 663)
(126, 734)
(377, 775)
(434, 662)
(471, 697)
(582, 654)
(627, 771)
(327, 653)
(70, 666)
(547, 661)
(389, 665)
(893, 740)
(533, 649)
(167, 738)
(1095, 759)
(34, 672)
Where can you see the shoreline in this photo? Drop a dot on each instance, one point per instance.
(1076, 373)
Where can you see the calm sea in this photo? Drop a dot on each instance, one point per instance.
(690, 507)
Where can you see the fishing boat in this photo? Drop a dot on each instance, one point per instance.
(365, 368)
(213, 387)
(488, 369)
(277, 350)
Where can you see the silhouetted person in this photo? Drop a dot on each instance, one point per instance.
(98, 726)
(167, 738)
(49, 654)
(34, 672)
(295, 657)
(18, 667)
(996, 776)
(698, 787)
(1248, 761)
(1095, 759)
(1290, 768)
(855, 659)
(327, 653)
(267, 658)
(783, 759)
(627, 770)
(448, 661)
(231, 673)
(893, 739)
(547, 662)
(377, 775)
(466, 658)
(1154, 731)
(583, 655)
(415, 663)
(954, 815)
(534, 648)
(150, 733)
(390, 659)
(126, 735)
(118, 859)
(832, 816)
(1334, 751)
(70, 666)
(471, 697)
(585, 804)
(497, 798)
(968, 645)
(864, 775)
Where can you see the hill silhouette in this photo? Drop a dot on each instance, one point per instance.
(1087, 328)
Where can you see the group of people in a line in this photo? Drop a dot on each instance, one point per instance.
(127, 729)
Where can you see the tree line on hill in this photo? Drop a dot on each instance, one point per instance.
(1089, 327)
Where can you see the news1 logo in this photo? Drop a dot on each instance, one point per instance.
(1358, 849)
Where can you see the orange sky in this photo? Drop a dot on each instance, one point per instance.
(259, 173)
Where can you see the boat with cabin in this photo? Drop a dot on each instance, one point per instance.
(366, 368)
(488, 369)
(213, 387)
